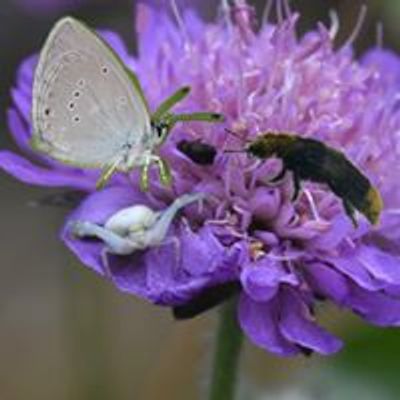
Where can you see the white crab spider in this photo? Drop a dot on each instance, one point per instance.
(133, 228)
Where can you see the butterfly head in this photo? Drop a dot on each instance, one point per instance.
(160, 130)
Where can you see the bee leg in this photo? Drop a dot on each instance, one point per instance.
(279, 177)
(297, 187)
(350, 211)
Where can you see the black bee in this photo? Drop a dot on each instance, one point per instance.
(310, 159)
(198, 152)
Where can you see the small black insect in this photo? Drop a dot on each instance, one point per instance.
(310, 159)
(198, 152)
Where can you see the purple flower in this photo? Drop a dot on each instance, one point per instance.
(288, 256)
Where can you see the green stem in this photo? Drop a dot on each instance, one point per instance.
(226, 357)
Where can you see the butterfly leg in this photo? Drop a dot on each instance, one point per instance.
(106, 174)
(164, 170)
(144, 176)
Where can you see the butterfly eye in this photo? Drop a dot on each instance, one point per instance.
(104, 70)
(162, 129)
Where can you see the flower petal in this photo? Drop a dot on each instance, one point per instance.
(382, 266)
(386, 63)
(298, 327)
(350, 266)
(327, 282)
(20, 131)
(201, 251)
(25, 74)
(162, 275)
(23, 103)
(261, 280)
(259, 322)
(377, 307)
(339, 229)
(25, 171)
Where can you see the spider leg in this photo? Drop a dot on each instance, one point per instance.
(177, 250)
(105, 264)
(279, 177)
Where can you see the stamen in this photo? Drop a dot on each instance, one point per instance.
(279, 11)
(256, 250)
(252, 167)
(267, 12)
(244, 17)
(286, 8)
(350, 242)
(179, 20)
(335, 24)
(237, 135)
(241, 83)
(245, 216)
(312, 204)
(226, 12)
(282, 258)
(379, 35)
(356, 31)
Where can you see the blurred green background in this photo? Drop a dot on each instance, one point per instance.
(66, 334)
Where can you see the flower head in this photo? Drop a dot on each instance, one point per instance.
(286, 255)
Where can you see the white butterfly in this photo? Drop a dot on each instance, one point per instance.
(90, 111)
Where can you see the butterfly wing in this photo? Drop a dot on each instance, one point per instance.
(86, 109)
